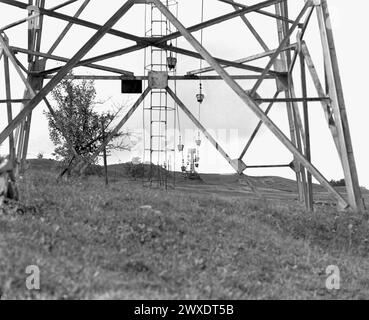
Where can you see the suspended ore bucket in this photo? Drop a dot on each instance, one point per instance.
(171, 62)
(200, 97)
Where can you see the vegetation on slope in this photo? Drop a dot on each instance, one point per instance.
(126, 242)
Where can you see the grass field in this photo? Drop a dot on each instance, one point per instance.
(196, 242)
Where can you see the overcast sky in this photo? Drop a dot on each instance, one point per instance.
(223, 113)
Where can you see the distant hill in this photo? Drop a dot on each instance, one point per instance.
(115, 171)
(120, 171)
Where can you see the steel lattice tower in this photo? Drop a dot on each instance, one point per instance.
(291, 53)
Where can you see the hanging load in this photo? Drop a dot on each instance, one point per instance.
(180, 145)
(183, 167)
(172, 62)
(200, 96)
(197, 159)
(198, 140)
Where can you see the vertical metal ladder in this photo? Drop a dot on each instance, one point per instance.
(158, 149)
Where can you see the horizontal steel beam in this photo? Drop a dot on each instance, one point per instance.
(269, 166)
(312, 99)
(13, 101)
(144, 78)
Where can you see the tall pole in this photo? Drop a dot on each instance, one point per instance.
(286, 61)
(104, 153)
(334, 84)
(310, 200)
(9, 108)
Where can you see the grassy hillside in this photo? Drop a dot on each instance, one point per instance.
(127, 242)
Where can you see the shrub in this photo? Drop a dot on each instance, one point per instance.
(136, 171)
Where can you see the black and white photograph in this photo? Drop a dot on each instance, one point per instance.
(184, 155)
